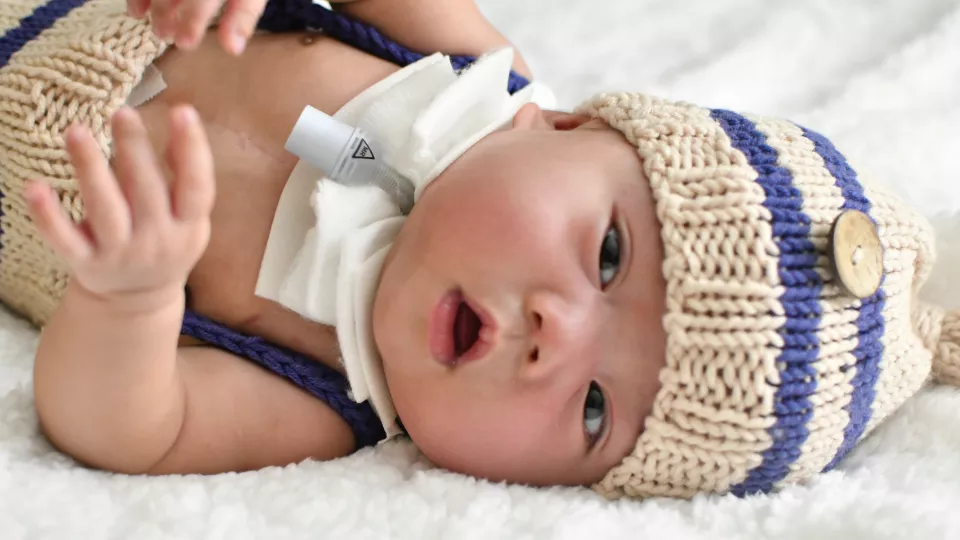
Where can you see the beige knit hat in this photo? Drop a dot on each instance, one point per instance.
(793, 326)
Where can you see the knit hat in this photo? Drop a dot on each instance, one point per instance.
(778, 359)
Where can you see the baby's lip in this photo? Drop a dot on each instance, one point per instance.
(460, 330)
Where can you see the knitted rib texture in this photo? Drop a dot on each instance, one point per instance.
(772, 372)
(61, 62)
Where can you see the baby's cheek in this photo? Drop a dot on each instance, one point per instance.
(463, 441)
(486, 223)
(432, 419)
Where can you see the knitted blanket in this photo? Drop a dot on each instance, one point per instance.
(61, 62)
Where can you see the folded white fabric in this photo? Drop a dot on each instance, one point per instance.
(328, 241)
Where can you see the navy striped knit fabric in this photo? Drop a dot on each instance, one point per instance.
(870, 323)
(800, 302)
(801, 305)
(32, 25)
(29, 28)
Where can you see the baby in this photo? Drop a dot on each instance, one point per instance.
(648, 297)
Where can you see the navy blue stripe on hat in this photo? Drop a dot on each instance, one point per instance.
(33, 25)
(800, 301)
(870, 322)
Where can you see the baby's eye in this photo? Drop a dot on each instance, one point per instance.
(594, 413)
(609, 256)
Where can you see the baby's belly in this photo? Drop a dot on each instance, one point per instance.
(249, 105)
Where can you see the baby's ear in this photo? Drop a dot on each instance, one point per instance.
(531, 116)
(564, 121)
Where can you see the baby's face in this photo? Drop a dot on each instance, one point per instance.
(519, 315)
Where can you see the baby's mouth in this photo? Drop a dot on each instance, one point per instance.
(460, 331)
(466, 329)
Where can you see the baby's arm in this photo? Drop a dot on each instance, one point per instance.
(112, 389)
(452, 27)
(427, 26)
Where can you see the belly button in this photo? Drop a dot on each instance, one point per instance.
(308, 39)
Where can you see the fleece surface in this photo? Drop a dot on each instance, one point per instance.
(880, 77)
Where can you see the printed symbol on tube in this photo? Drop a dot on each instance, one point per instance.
(363, 151)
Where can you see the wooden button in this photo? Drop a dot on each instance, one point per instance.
(856, 254)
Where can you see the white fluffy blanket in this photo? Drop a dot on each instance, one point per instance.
(881, 77)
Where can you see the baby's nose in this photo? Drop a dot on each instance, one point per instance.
(563, 331)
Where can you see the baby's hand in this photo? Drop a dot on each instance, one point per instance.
(185, 21)
(140, 237)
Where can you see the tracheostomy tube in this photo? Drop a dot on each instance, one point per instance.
(347, 155)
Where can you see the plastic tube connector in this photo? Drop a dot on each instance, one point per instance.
(347, 155)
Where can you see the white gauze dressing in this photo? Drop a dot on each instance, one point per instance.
(359, 174)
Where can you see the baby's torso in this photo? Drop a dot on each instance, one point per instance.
(249, 105)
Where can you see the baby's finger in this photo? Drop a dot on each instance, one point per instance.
(105, 209)
(138, 169)
(191, 160)
(163, 17)
(238, 23)
(63, 236)
(195, 18)
(137, 8)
